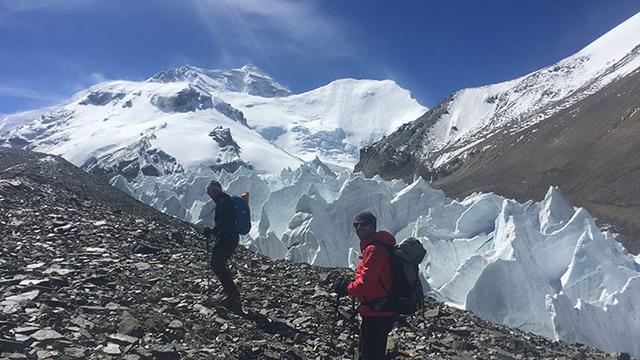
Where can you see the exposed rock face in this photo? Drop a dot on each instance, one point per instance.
(186, 100)
(101, 98)
(229, 153)
(87, 272)
(194, 98)
(586, 150)
(229, 111)
(400, 155)
(222, 136)
(139, 158)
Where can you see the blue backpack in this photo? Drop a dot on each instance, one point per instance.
(241, 215)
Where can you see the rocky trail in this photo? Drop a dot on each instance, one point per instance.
(88, 273)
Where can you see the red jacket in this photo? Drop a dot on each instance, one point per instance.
(373, 271)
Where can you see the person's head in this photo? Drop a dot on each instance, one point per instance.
(214, 189)
(365, 225)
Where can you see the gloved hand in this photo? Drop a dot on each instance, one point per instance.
(340, 287)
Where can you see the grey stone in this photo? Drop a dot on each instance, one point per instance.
(123, 339)
(76, 352)
(26, 329)
(112, 349)
(19, 298)
(47, 335)
(7, 345)
(129, 325)
(175, 325)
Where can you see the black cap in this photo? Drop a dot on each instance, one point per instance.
(367, 218)
(212, 184)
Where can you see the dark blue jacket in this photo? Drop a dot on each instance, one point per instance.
(224, 217)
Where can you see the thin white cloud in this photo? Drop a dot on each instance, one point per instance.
(97, 77)
(18, 92)
(11, 9)
(15, 6)
(267, 28)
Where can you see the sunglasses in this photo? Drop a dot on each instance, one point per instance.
(357, 224)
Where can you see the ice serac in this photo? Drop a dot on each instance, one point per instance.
(544, 267)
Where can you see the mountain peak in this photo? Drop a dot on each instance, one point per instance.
(614, 44)
(252, 69)
(248, 79)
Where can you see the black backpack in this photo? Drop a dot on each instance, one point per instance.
(406, 295)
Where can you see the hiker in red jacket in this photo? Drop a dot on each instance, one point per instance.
(370, 287)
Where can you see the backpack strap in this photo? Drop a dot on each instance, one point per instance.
(388, 250)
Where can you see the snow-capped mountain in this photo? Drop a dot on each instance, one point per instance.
(444, 135)
(127, 127)
(187, 116)
(332, 122)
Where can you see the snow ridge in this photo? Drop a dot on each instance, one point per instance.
(474, 114)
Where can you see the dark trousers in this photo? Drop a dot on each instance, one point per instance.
(374, 331)
(224, 248)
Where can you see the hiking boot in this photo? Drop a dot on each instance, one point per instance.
(231, 294)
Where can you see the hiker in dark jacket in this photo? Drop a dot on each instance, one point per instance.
(370, 287)
(226, 242)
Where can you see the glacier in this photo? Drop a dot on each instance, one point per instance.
(543, 267)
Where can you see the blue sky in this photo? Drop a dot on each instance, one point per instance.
(50, 49)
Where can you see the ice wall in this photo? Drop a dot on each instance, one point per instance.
(543, 267)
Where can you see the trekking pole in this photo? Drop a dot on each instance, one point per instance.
(353, 328)
(210, 249)
(424, 314)
(335, 320)
(208, 260)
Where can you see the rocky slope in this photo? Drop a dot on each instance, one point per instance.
(88, 273)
